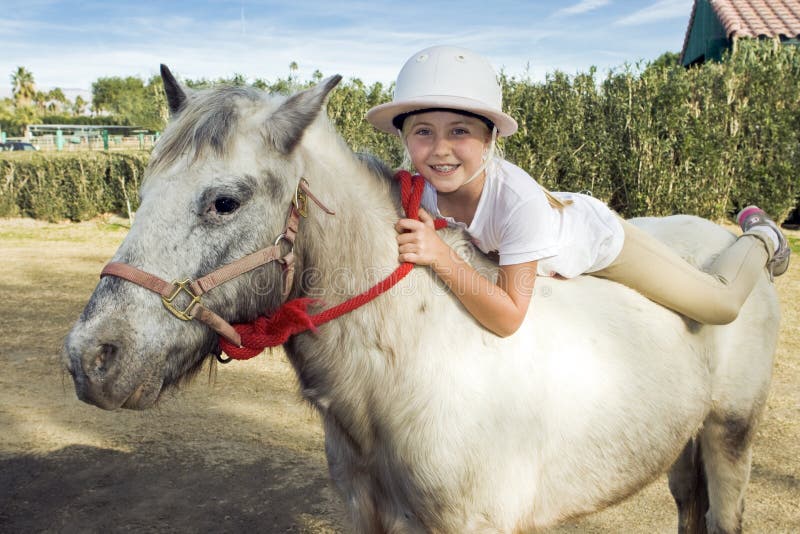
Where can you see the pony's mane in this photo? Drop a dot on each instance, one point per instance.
(207, 121)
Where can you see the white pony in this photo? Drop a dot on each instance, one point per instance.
(432, 424)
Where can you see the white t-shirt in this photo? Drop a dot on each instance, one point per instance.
(515, 220)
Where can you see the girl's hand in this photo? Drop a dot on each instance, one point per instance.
(500, 307)
(418, 241)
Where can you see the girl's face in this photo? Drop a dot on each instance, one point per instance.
(446, 148)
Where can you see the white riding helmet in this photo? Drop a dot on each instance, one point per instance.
(445, 77)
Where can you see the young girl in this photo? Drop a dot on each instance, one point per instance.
(447, 109)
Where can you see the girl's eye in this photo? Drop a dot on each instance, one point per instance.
(460, 131)
(422, 131)
(223, 205)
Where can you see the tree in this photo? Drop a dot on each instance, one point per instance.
(79, 107)
(239, 80)
(23, 87)
(292, 79)
(118, 96)
(159, 109)
(6, 115)
(130, 101)
(56, 100)
(667, 59)
(40, 101)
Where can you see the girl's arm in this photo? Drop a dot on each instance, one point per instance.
(499, 307)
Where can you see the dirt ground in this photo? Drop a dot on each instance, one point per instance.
(240, 452)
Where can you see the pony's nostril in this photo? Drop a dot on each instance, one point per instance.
(106, 353)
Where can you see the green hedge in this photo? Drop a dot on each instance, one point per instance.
(655, 140)
(69, 185)
(707, 140)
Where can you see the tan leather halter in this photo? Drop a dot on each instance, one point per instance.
(195, 289)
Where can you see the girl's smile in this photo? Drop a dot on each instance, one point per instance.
(444, 169)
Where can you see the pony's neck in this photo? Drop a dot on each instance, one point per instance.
(357, 245)
(341, 256)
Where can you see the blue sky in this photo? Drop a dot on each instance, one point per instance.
(70, 44)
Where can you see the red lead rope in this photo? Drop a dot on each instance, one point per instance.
(292, 317)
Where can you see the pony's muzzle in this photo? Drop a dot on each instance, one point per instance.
(95, 371)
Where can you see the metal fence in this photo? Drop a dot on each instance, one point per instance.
(73, 137)
(83, 142)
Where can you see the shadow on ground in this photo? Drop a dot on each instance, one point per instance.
(89, 489)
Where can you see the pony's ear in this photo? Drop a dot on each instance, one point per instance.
(176, 96)
(286, 125)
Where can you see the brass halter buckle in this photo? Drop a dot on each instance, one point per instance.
(185, 314)
(300, 200)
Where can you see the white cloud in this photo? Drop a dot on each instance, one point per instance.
(582, 7)
(661, 10)
(350, 39)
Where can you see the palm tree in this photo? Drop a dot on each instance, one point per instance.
(23, 87)
(40, 100)
(79, 108)
(56, 96)
(293, 67)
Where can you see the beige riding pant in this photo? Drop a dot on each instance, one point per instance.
(659, 273)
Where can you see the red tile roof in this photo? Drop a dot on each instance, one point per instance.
(756, 18)
(753, 18)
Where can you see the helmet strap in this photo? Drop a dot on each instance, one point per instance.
(487, 157)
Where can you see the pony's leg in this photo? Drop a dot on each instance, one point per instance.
(687, 483)
(727, 453)
(351, 478)
(370, 510)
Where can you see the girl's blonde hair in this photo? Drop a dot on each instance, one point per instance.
(554, 201)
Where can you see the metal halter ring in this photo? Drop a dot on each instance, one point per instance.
(283, 237)
(222, 359)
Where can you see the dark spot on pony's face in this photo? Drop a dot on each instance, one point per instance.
(275, 186)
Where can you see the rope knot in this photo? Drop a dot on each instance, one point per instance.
(288, 320)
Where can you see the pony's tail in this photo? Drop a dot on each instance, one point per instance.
(698, 504)
(689, 487)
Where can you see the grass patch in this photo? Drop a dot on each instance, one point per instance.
(794, 244)
(108, 229)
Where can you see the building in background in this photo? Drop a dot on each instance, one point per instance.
(716, 25)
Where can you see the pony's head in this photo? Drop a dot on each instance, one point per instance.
(218, 187)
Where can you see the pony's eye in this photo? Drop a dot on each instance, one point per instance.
(224, 205)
